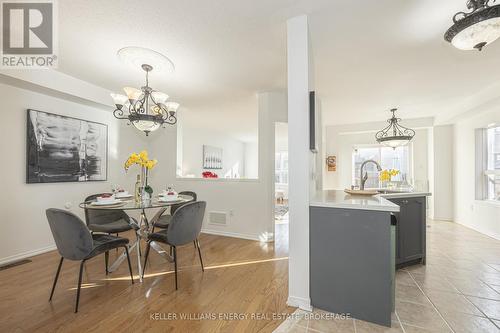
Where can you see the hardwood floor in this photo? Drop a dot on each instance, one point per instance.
(242, 278)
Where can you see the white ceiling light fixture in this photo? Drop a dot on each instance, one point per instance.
(145, 108)
(475, 30)
(395, 135)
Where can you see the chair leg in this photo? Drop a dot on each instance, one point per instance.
(175, 266)
(79, 286)
(106, 260)
(129, 265)
(55, 279)
(115, 250)
(195, 245)
(148, 246)
(199, 253)
(139, 245)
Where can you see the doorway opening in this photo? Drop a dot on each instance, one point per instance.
(281, 174)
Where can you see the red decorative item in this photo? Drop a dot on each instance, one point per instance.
(208, 174)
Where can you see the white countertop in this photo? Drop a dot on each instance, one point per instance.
(397, 195)
(380, 202)
(340, 199)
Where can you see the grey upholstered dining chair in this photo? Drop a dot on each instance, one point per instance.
(185, 227)
(75, 242)
(162, 220)
(107, 221)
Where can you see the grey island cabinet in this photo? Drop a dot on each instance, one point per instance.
(410, 227)
(352, 255)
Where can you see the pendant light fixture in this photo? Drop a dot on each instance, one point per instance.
(476, 29)
(395, 135)
(145, 108)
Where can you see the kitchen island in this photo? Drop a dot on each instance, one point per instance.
(353, 254)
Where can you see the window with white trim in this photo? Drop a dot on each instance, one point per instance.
(492, 167)
(281, 168)
(387, 157)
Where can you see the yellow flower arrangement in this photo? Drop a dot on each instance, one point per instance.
(386, 175)
(141, 159)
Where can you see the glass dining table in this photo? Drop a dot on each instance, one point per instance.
(143, 227)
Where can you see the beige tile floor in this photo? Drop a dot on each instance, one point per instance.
(457, 291)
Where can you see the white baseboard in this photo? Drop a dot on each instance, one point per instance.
(231, 234)
(299, 302)
(28, 254)
(445, 219)
(480, 230)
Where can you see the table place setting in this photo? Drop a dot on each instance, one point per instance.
(107, 200)
(122, 194)
(168, 195)
(141, 200)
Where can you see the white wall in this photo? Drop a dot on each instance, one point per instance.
(281, 137)
(251, 160)
(479, 215)
(443, 168)
(23, 205)
(233, 151)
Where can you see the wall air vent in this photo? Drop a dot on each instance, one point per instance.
(218, 218)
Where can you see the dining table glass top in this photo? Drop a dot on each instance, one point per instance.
(131, 204)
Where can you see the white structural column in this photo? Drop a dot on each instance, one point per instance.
(299, 159)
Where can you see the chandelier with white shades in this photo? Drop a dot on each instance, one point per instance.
(476, 29)
(145, 108)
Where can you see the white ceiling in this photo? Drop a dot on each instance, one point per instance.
(369, 55)
(391, 53)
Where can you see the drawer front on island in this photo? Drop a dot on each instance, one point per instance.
(410, 230)
(351, 269)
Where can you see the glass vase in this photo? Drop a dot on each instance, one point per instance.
(145, 196)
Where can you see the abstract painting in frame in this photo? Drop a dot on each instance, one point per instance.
(212, 157)
(65, 149)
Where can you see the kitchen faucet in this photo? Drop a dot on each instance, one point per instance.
(364, 178)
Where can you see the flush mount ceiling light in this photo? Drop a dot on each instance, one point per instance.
(145, 108)
(395, 135)
(475, 30)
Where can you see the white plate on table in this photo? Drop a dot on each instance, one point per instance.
(123, 196)
(107, 203)
(164, 199)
